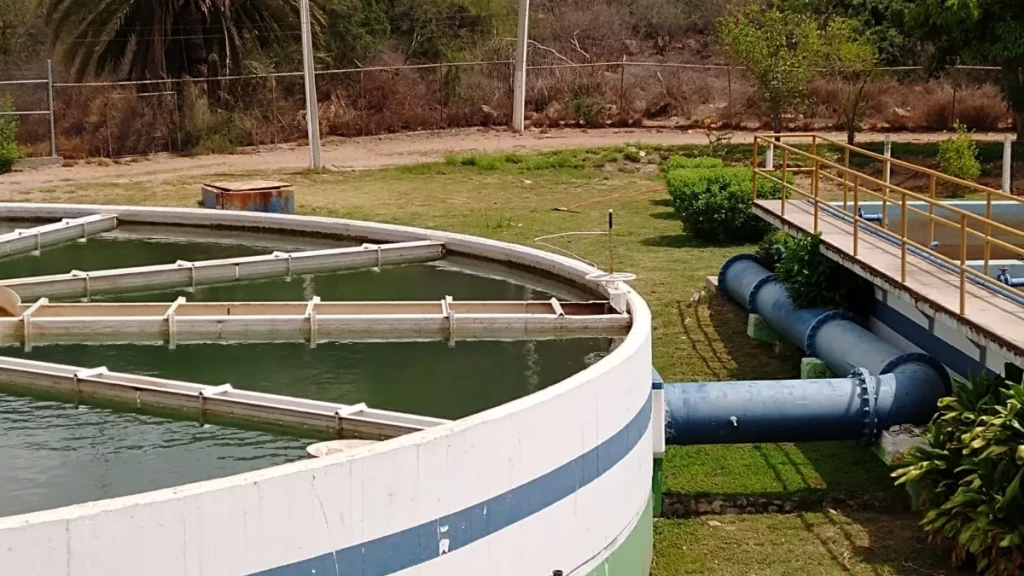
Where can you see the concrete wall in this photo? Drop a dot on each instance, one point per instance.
(909, 328)
(559, 480)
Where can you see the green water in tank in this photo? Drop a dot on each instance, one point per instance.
(54, 454)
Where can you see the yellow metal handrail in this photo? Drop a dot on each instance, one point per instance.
(852, 179)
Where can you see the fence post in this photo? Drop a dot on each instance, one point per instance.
(519, 80)
(1008, 164)
(440, 90)
(769, 157)
(53, 123)
(622, 86)
(729, 100)
(887, 178)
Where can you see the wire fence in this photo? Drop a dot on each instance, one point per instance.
(125, 118)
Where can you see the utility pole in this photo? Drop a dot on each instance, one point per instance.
(312, 110)
(519, 93)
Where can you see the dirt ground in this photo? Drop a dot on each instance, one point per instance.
(376, 152)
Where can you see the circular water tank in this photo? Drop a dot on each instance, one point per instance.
(321, 449)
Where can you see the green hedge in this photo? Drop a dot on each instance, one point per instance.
(714, 204)
(968, 476)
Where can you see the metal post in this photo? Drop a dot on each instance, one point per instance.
(963, 264)
(754, 166)
(887, 178)
(53, 122)
(856, 214)
(988, 228)
(931, 211)
(312, 108)
(814, 190)
(769, 158)
(519, 81)
(440, 90)
(1007, 164)
(846, 179)
(729, 99)
(903, 239)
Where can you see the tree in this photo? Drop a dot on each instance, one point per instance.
(354, 29)
(779, 51)
(157, 39)
(883, 24)
(977, 32)
(848, 56)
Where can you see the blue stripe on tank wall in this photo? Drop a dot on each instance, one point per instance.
(419, 544)
(954, 358)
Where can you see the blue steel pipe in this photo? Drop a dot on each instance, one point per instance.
(887, 387)
(780, 411)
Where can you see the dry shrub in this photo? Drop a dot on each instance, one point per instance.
(981, 108)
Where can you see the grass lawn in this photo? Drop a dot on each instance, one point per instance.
(519, 198)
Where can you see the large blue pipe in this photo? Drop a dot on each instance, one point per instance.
(887, 388)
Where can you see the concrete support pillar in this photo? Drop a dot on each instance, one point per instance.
(519, 82)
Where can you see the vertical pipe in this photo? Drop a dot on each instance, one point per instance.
(1007, 164)
(815, 182)
(903, 239)
(519, 80)
(53, 122)
(769, 157)
(856, 214)
(312, 108)
(963, 264)
(931, 211)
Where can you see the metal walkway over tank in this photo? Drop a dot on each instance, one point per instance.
(823, 194)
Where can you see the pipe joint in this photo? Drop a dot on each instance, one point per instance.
(921, 358)
(724, 270)
(752, 297)
(819, 323)
(868, 386)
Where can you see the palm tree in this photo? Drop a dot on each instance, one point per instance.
(163, 39)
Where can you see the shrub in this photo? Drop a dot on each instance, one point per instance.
(958, 157)
(714, 204)
(8, 136)
(815, 281)
(684, 163)
(968, 475)
(773, 248)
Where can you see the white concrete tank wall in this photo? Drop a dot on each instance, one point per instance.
(559, 480)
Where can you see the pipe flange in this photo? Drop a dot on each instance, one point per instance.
(728, 264)
(819, 323)
(752, 297)
(923, 358)
(868, 402)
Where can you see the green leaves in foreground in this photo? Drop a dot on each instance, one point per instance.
(968, 477)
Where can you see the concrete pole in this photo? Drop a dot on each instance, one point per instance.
(49, 100)
(519, 82)
(1007, 164)
(312, 107)
(769, 157)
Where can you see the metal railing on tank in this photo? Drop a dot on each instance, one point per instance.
(807, 159)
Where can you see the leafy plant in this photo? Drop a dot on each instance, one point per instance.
(9, 153)
(958, 157)
(714, 204)
(779, 52)
(968, 476)
(771, 250)
(815, 281)
(719, 143)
